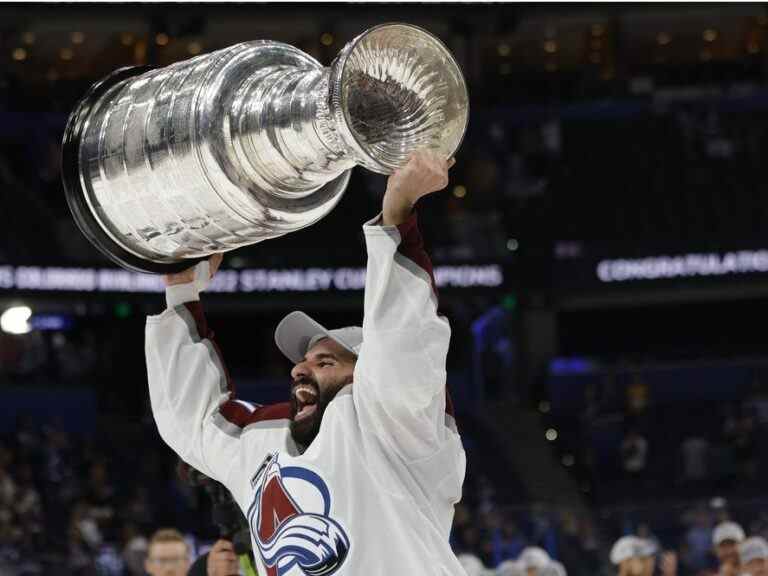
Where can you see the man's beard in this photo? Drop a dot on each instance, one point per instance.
(305, 430)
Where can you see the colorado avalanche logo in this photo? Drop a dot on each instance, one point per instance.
(293, 541)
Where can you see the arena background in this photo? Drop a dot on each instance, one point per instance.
(602, 258)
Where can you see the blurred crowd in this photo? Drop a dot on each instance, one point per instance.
(657, 429)
(720, 453)
(86, 505)
(89, 505)
(733, 555)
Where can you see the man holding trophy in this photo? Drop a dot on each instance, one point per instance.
(359, 471)
(164, 169)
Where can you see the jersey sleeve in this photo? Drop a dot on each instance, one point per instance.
(400, 376)
(194, 403)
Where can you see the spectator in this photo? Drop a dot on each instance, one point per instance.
(509, 568)
(59, 474)
(726, 539)
(508, 542)
(554, 569)
(469, 539)
(28, 508)
(570, 548)
(100, 496)
(694, 452)
(534, 561)
(168, 554)
(644, 532)
(738, 434)
(744, 448)
(135, 553)
(138, 509)
(698, 540)
(629, 555)
(668, 564)
(590, 548)
(462, 518)
(222, 560)
(543, 531)
(753, 555)
(634, 458)
(85, 538)
(27, 437)
(637, 396)
(649, 549)
(7, 488)
(472, 565)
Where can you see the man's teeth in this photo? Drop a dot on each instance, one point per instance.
(305, 394)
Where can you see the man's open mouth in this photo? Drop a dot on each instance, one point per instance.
(306, 401)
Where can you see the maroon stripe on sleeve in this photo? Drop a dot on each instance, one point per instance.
(196, 309)
(240, 416)
(448, 402)
(232, 410)
(412, 246)
(236, 413)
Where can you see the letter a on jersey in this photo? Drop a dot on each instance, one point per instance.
(294, 536)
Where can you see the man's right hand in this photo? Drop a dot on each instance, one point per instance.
(188, 275)
(222, 560)
(426, 172)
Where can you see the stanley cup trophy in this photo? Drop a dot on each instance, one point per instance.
(163, 167)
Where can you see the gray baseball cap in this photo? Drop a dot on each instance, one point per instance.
(533, 557)
(753, 549)
(297, 333)
(727, 531)
(628, 547)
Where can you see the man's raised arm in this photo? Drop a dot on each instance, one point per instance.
(400, 376)
(193, 399)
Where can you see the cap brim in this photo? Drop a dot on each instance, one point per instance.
(295, 332)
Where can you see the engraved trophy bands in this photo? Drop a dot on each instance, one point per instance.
(163, 167)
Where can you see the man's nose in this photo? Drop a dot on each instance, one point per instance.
(299, 370)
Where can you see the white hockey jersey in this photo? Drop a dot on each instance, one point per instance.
(374, 493)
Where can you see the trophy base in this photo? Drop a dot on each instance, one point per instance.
(70, 162)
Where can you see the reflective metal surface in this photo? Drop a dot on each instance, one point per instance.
(395, 89)
(252, 142)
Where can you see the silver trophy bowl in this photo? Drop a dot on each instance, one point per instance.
(164, 167)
